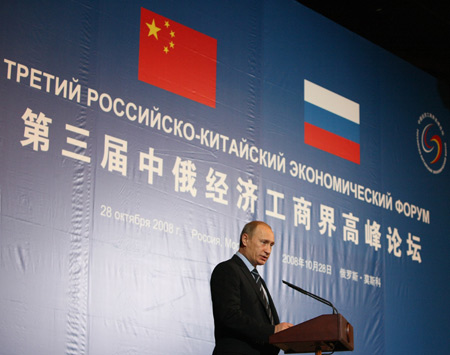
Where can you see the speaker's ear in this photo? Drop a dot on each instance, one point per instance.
(244, 239)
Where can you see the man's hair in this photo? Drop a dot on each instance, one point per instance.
(249, 228)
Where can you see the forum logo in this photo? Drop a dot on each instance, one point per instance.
(431, 143)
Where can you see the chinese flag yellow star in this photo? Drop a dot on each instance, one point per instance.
(153, 29)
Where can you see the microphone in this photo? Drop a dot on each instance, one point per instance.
(312, 295)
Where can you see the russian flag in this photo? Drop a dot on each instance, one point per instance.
(331, 122)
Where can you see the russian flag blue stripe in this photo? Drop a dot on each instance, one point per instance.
(331, 122)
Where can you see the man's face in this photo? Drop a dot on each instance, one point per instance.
(258, 246)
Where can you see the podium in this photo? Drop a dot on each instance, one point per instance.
(328, 332)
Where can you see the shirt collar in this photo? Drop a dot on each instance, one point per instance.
(246, 262)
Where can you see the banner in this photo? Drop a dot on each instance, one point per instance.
(139, 137)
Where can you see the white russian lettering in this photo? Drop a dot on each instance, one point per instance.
(204, 137)
(127, 111)
(165, 119)
(233, 148)
(189, 131)
(155, 118)
(281, 163)
(117, 112)
(109, 102)
(22, 72)
(310, 175)
(177, 128)
(35, 78)
(92, 96)
(293, 169)
(49, 78)
(253, 150)
(75, 91)
(143, 115)
(11, 64)
(61, 87)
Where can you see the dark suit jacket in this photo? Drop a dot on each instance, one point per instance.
(242, 325)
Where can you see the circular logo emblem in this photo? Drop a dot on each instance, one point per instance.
(431, 143)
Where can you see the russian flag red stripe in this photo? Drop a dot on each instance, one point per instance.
(332, 143)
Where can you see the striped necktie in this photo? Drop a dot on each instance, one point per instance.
(263, 294)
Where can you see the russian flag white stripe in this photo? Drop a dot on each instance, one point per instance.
(332, 102)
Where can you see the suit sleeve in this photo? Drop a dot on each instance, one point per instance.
(234, 305)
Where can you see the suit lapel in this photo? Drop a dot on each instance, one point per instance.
(272, 305)
(252, 283)
(247, 274)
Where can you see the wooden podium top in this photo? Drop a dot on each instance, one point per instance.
(328, 332)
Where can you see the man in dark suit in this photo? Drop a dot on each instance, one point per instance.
(244, 313)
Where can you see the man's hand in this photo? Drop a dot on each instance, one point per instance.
(282, 326)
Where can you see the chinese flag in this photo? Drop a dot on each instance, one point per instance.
(177, 58)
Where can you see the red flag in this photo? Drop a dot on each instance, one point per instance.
(177, 58)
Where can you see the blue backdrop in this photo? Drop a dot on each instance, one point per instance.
(119, 193)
